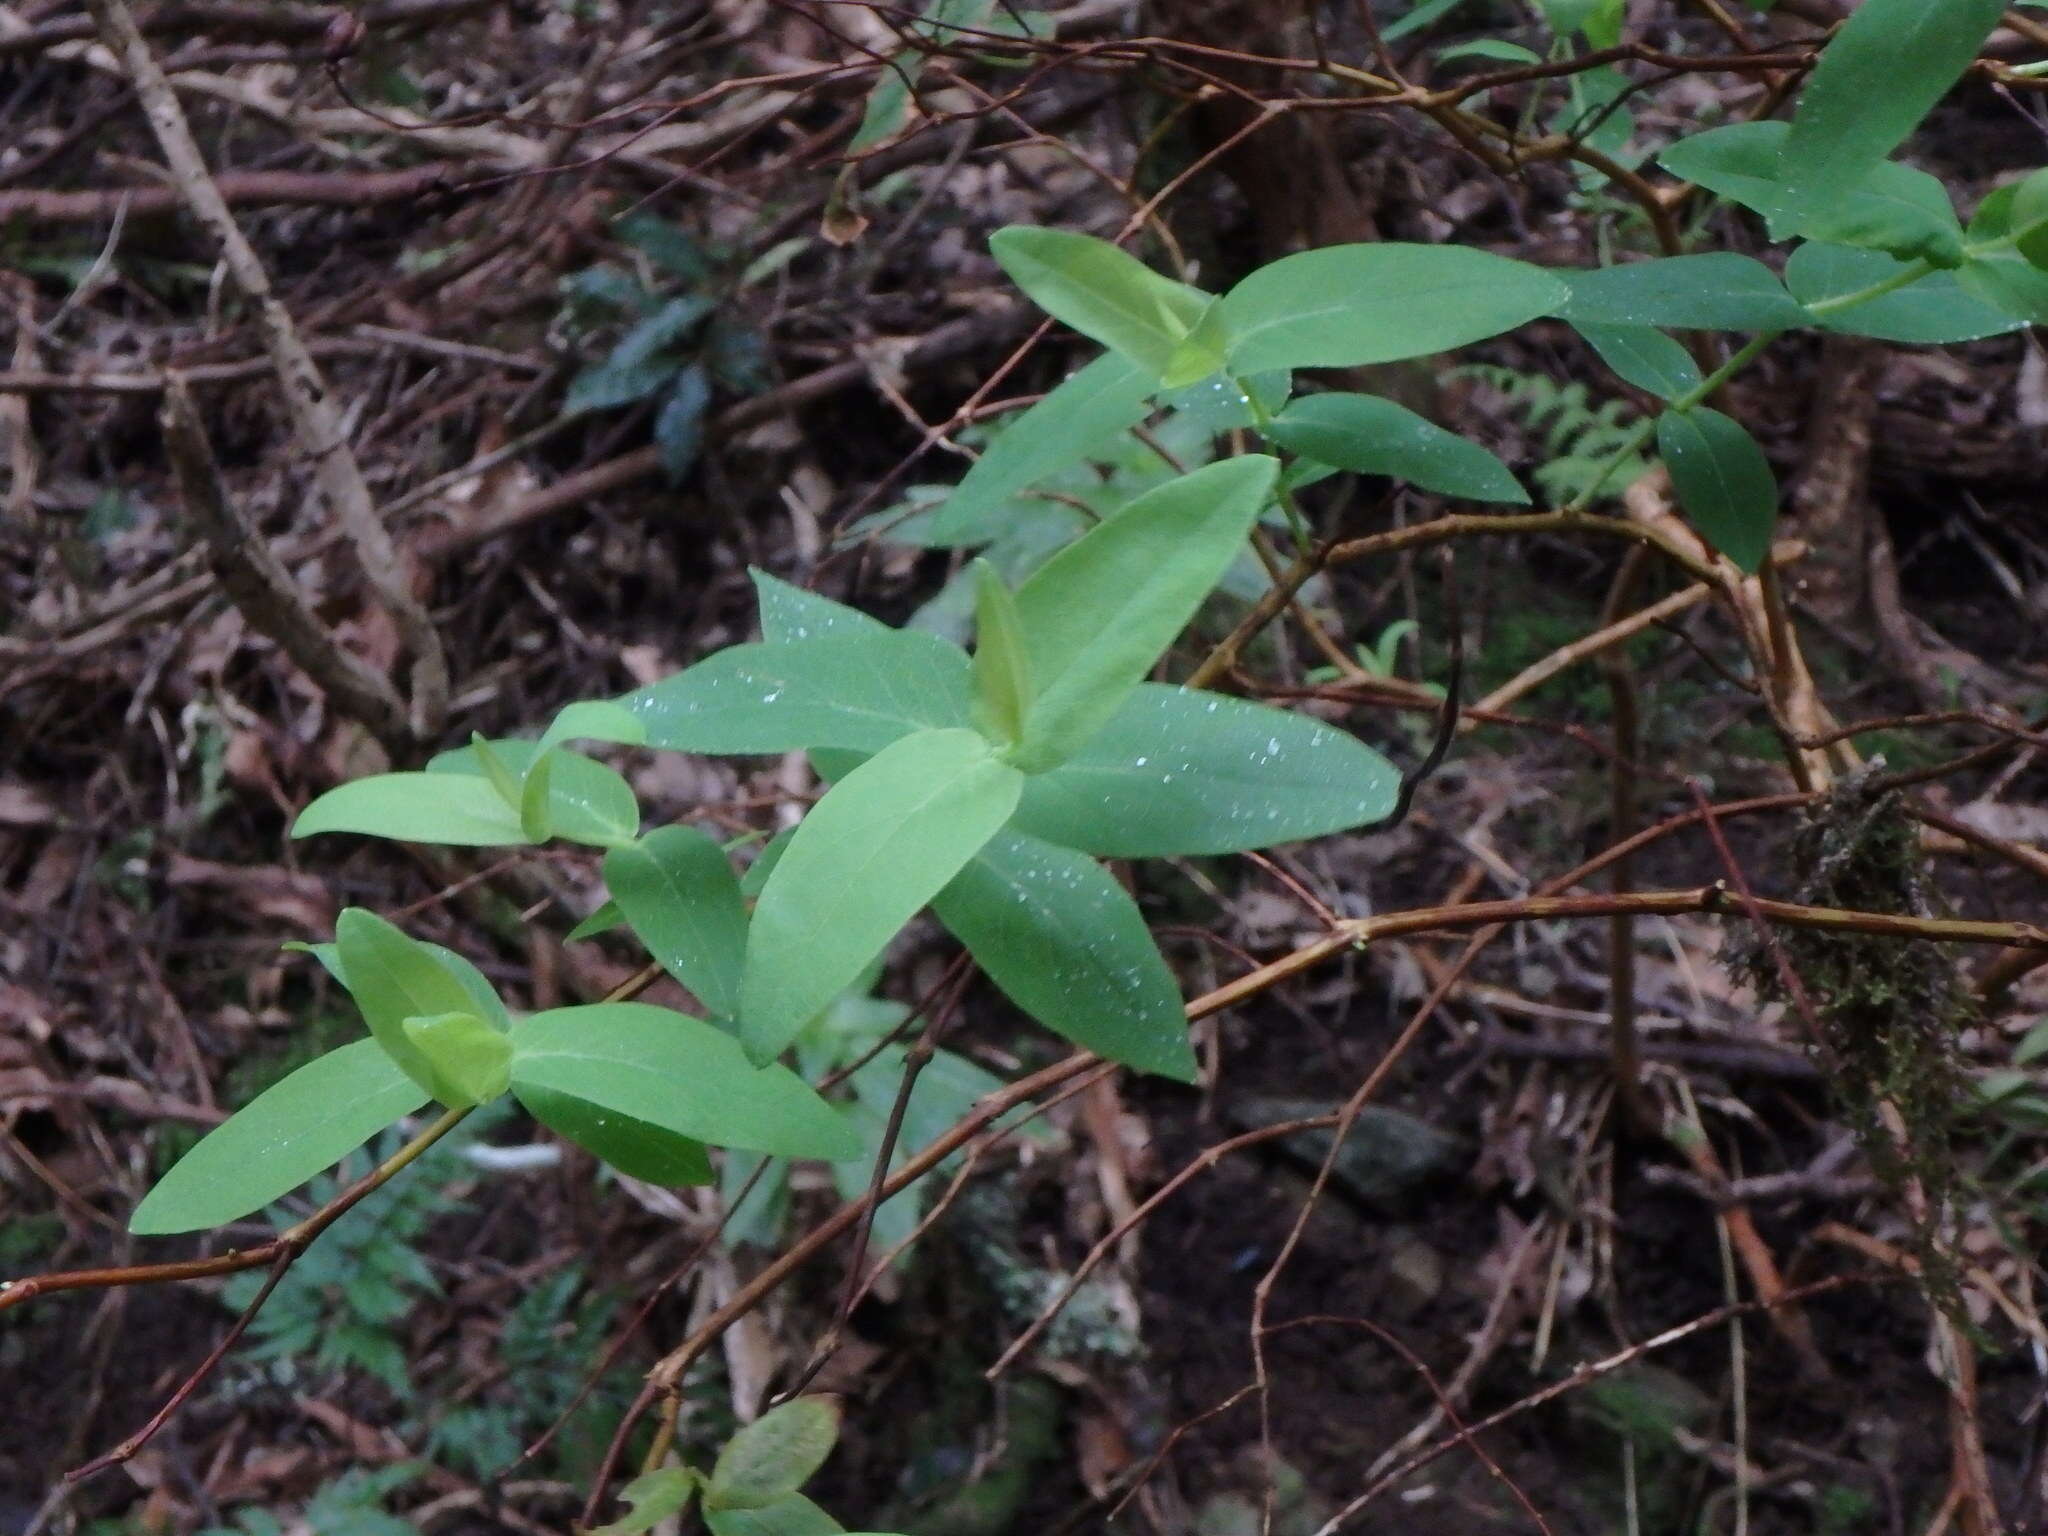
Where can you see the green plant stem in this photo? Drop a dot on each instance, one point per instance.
(1262, 423)
(1744, 355)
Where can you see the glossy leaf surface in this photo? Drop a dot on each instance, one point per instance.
(1102, 291)
(634, 1147)
(676, 1073)
(1644, 356)
(1075, 420)
(297, 1128)
(1097, 615)
(456, 810)
(1723, 481)
(1717, 291)
(676, 887)
(1934, 310)
(1065, 943)
(394, 978)
(1347, 305)
(876, 849)
(1181, 771)
(842, 690)
(1371, 436)
(1879, 75)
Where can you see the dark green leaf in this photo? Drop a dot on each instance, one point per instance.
(861, 691)
(676, 887)
(1348, 305)
(1067, 945)
(1717, 290)
(1644, 356)
(1880, 74)
(665, 244)
(1933, 310)
(1894, 208)
(637, 1149)
(877, 848)
(678, 1074)
(1723, 482)
(1371, 436)
(1180, 771)
(291, 1131)
(679, 425)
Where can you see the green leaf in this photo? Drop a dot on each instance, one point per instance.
(2028, 214)
(792, 1516)
(675, 1073)
(1066, 944)
(774, 1456)
(757, 873)
(1182, 771)
(655, 1496)
(1097, 614)
(470, 1063)
(298, 1127)
(2033, 1045)
(860, 691)
(1495, 48)
(790, 613)
(415, 808)
(1714, 291)
(676, 887)
(1894, 208)
(1201, 352)
(1996, 272)
(1371, 436)
(1071, 423)
(586, 801)
(1002, 672)
(666, 245)
(2008, 282)
(881, 844)
(1880, 74)
(1348, 305)
(1101, 291)
(592, 720)
(1417, 18)
(888, 104)
(502, 779)
(603, 920)
(534, 819)
(1644, 356)
(639, 364)
(1723, 482)
(1934, 310)
(679, 424)
(394, 978)
(635, 1148)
